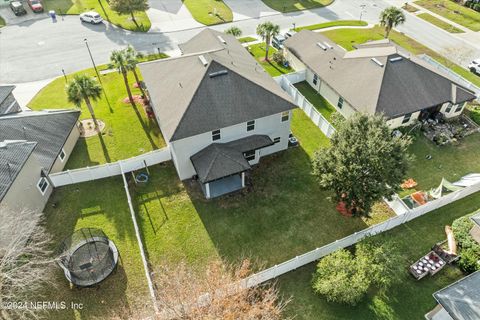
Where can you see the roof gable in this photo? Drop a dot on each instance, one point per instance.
(5, 91)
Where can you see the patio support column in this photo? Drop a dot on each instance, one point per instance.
(243, 179)
(207, 190)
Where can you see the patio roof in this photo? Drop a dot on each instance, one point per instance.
(220, 160)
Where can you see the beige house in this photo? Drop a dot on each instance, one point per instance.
(377, 77)
(32, 145)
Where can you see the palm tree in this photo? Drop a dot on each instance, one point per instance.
(234, 31)
(119, 60)
(132, 61)
(267, 30)
(84, 88)
(390, 18)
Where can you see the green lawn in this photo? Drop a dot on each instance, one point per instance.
(439, 23)
(338, 23)
(296, 5)
(209, 12)
(102, 7)
(247, 39)
(122, 122)
(2, 22)
(409, 299)
(349, 37)
(273, 68)
(319, 102)
(99, 204)
(453, 11)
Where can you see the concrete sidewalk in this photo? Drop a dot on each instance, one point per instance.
(246, 9)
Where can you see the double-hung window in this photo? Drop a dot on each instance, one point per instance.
(449, 108)
(251, 125)
(216, 135)
(459, 107)
(406, 118)
(315, 79)
(340, 103)
(249, 155)
(62, 155)
(276, 140)
(285, 116)
(42, 185)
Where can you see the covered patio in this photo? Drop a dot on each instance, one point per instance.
(221, 167)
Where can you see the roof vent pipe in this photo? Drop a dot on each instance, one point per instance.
(322, 46)
(203, 60)
(377, 62)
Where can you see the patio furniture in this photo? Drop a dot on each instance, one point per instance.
(431, 263)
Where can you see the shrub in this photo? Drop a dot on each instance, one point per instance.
(469, 260)
(336, 119)
(278, 57)
(461, 229)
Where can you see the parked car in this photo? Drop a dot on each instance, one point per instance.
(35, 5)
(277, 42)
(91, 17)
(17, 8)
(474, 66)
(292, 141)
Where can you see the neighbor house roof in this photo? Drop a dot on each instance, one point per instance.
(220, 160)
(7, 106)
(461, 299)
(476, 219)
(49, 129)
(377, 77)
(5, 91)
(13, 155)
(215, 84)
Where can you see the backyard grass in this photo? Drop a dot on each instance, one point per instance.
(247, 39)
(272, 67)
(349, 37)
(408, 299)
(319, 102)
(296, 5)
(338, 23)
(455, 12)
(102, 7)
(99, 204)
(209, 12)
(128, 131)
(439, 23)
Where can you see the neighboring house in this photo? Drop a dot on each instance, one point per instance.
(458, 301)
(8, 103)
(218, 110)
(377, 77)
(32, 145)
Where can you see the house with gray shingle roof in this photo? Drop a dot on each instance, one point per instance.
(377, 77)
(32, 145)
(218, 110)
(8, 103)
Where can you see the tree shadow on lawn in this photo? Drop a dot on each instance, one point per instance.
(283, 214)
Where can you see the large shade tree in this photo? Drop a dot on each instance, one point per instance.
(363, 164)
(120, 61)
(84, 88)
(129, 7)
(390, 18)
(267, 31)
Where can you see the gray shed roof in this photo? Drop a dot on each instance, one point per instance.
(377, 77)
(476, 219)
(49, 128)
(5, 91)
(462, 299)
(216, 84)
(13, 155)
(220, 160)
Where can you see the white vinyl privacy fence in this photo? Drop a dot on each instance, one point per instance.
(286, 82)
(391, 223)
(109, 169)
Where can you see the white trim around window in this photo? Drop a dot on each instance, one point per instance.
(42, 185)
(62, 155)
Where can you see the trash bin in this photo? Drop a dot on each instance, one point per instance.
(52, 15)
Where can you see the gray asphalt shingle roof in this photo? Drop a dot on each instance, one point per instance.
(188, 100)
(395, 84)
(50, 129)
(5, 91)
(220, 160)
(476, 219)
(462, 299)
(13, 155)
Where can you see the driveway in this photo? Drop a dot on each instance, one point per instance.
(170, 15)
(245, 9)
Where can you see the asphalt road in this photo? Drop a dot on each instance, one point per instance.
(40, 49)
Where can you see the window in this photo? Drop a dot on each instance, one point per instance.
(42, 185)
(340, 103)
(406, 118)
(62, 155)
(449, 108)
(285, 116)
(276, 140)
(216, 135)
(315, 79)
(249, 155)
(251, 125)
(459, 107)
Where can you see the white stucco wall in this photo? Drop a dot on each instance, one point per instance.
(68, 148)
(397, 122)
(272, 126)
(294, 62)
(453, 113)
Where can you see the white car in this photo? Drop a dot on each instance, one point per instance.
(91, 17)
(474, 66)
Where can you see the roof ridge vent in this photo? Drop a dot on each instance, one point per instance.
(328, 45)
(218, 73)
(203, 60)
(221, 39)
(396, 59)
(321, 45)
(377, 62)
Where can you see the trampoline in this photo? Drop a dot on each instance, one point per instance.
(87, 257)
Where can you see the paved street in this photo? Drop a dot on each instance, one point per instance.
(30, 56)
